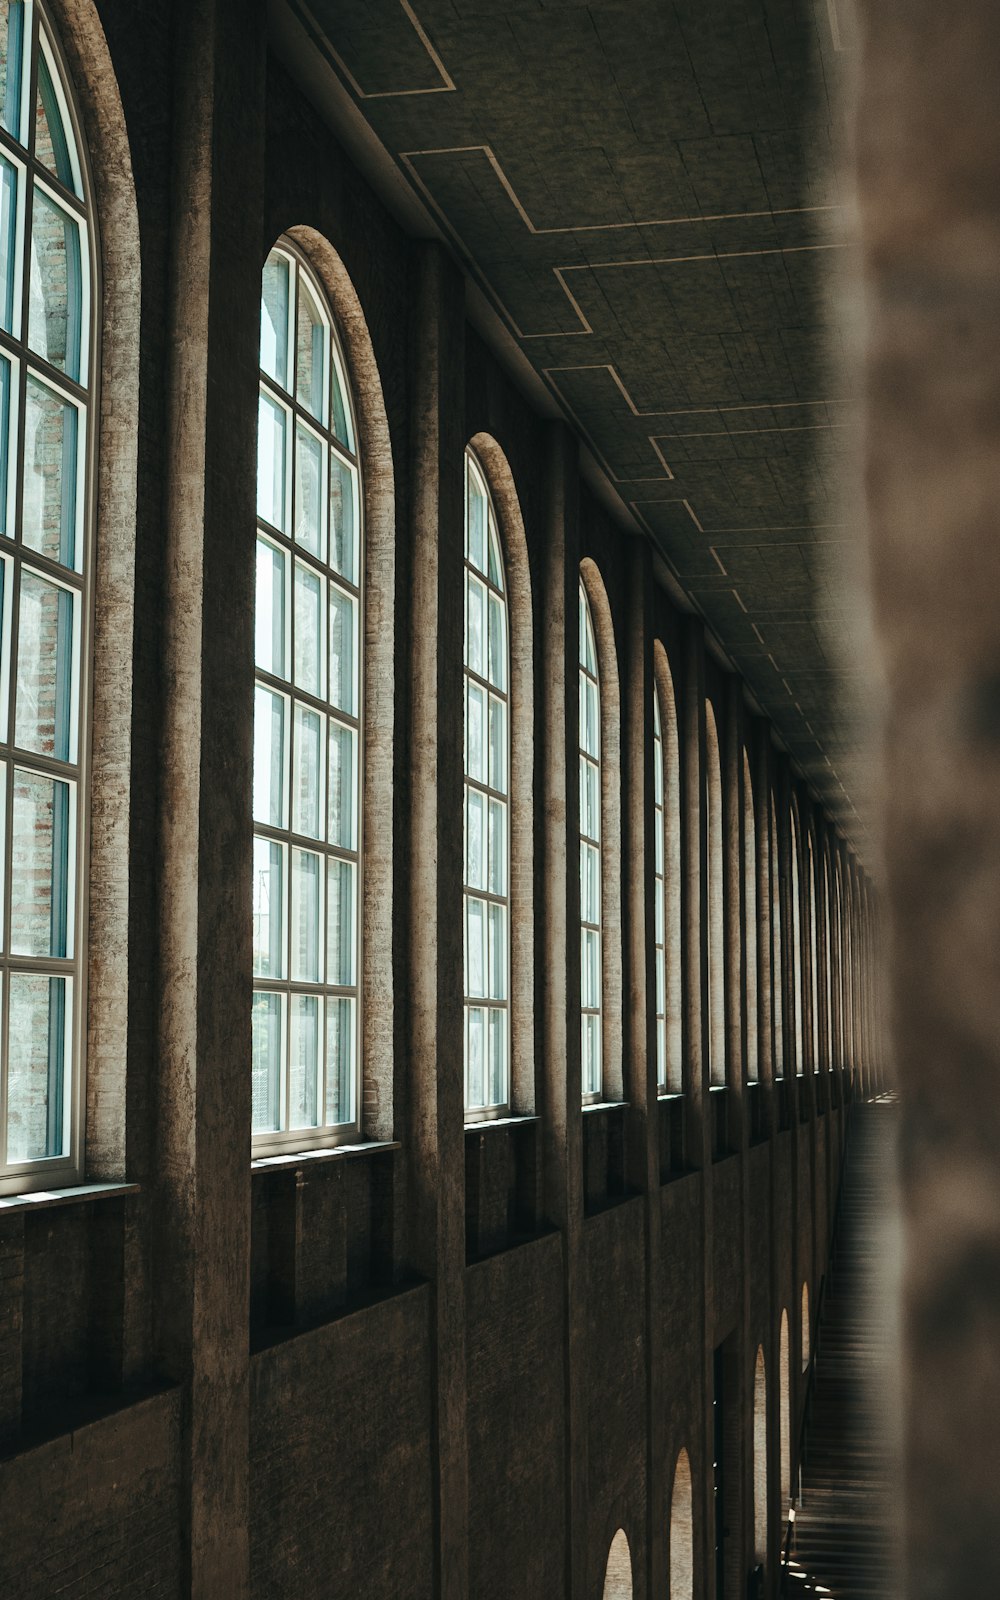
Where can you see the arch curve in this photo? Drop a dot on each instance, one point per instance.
(618, 1573)
(681, 1531)
(611, 807)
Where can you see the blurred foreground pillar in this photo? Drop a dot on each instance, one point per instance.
(928, 153)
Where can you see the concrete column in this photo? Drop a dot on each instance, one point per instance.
(202, 1189)
(435, 953)
(559, 956)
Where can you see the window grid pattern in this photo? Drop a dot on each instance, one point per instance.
(46, 401)
(660, 901)
(307, 724)
(777, 991)
(797, 970)
(486, 809)
(591, 970)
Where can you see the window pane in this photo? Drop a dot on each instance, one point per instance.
(475, 524)
(11, 38)
(37, 1059)
(342, 787)
(497, 1087)
(474, 762)
(498, 952)
(8, 243)
(48, 517)
(340, 915)
(307, 789)
(475, 947)
(591, 1054)
(309, 491)
(589, 718)
(498, 745)
(267, 1033)
(41, 859)
(311, 341)
(475, 840)
(474, 1059)
(343, 520)
(341, 411)
(497, 644)
(44, 707)
(495, 563)
(269, 619)
(268, 909)
(475, 596)
(55, 313)
(52, 145)
(590, 802)
(274, 318)
(342, 637)
(303, 1072)
(340, 1014)
(590, 968)
(306, 890)
(5, 393)
(269, 757)
(498, 848)
(309, 660)
(590, 884)
(271, 491)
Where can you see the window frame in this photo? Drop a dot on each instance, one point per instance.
(587, 632)
(286, 1141)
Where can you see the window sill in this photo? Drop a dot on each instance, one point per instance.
(669, 1094)
(78, 1194)
(337, 1152)
(605, 1105)
(486, 1124)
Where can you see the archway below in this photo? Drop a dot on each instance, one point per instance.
(618, 1576)
(681, 1532)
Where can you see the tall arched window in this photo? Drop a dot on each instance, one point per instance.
(669, 1047)
(659, 896)
(591, 964)
(796, 950)
(776, 952)
(307, 799)
(46, 403)
(750, 920)
(828, 934)
(813, 887)
(487, 766)
(715, 926)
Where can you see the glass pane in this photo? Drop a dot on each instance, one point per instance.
(48, 517)
(590, 884)
(590, 968)
(475, 524)
(310, 349)
(341, 808)
(497, 1087)
(590, 802)
(591, 1054)
(55, 312)
(8, 243)
(475, 597)
(658, 844)
(309, 491)
(475, 948)
(306, 892)
(586, 637)
(475, 840)
(274, 318)
(37, 1059)
(267, 1032)
(497, 644)
(474, 754)
(307, 787)
(474, 1059)
(343, 520)
(6, 580)
(308, 630)
(11, 38)
(497, 952)
(497, 848)
(339, 1060)
(342, 636)
(342, 430)
(340, 920)
(661, 1055)
(5, 390)
(269, 617)
(303, 1066)
(589, 717)
(495, 565)
(41, 855)
(268, 909)
(44, 706)
(52, 145)
(271, 492)
(498, 745)
(3, 835)
(269, 757)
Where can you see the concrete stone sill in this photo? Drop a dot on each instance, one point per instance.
(78, 1194)
(486, 1124)
(336, 1152)
(669, 1094)
(604, 1105)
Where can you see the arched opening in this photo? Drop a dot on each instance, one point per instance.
(777, 990)
(797, 994)
(813, 889)
(618, 1575)
(840, 976)
(594, 604)
(785, 1417)
(750, 920)
(668, 856)
(715, 911)
(760, 1458)
(805, 1328)
(828, 960)
(681, 1532)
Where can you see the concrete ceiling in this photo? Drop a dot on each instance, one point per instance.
(646, 193)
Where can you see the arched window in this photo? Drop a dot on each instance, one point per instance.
(776, 952)
(715, 927)
(840, 966)
(796, 950)
(47, 395)
(591, 960)
(805, 1327)
(681, 1532)
(487, 765)
(618, 1574)
(750, 920)
(307, 796)
(667, 850)
(828, 960)
(785, 1418)
(760, 1457)
(813, 887)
